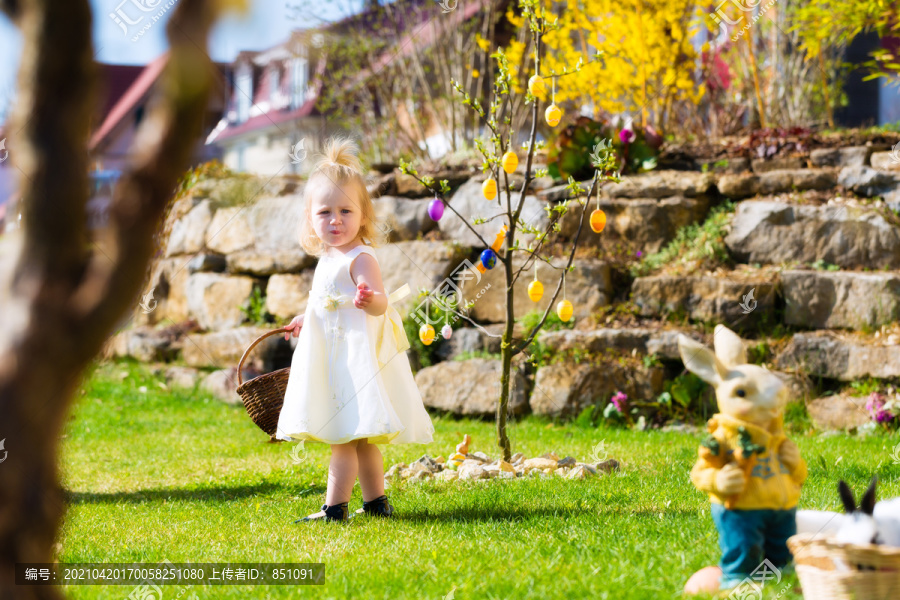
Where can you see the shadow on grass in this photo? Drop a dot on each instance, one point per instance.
(510, 512)
(206, 494)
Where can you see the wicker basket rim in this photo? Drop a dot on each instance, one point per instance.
(830, 544)
(253, 345)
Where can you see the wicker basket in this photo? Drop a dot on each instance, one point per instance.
(263, 396)
(814, 558)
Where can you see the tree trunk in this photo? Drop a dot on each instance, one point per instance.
(506, 354)
(59, 299)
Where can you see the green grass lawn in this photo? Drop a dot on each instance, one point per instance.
(175, 475)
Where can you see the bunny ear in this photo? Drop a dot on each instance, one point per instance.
(867, 504)
(729, 347)
(846, 497)
(701, 361)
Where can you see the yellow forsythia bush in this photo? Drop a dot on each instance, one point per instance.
(648, 58)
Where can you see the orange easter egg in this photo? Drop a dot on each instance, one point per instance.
(510, 162)
(598, 220)
(564, 310)
(426, 334)
(536, 85)
(489, 189)
(535, 290)
(553, 114)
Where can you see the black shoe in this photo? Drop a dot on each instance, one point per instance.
(379, 506)
(335, 512)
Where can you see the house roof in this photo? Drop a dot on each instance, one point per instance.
(263, 121)
(136, 93)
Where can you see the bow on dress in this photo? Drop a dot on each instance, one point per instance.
(391, 337)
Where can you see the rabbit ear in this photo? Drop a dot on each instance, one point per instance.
(729, 347)
(867, 504)
(701, 361)
(846, 497)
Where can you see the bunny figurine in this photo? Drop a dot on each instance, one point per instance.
(868, 523)
(750, 470)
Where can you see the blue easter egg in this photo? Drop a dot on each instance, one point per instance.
(488, 258)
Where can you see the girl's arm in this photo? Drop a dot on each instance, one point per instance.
(370, 294)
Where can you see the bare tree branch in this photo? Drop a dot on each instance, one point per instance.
(61, 301)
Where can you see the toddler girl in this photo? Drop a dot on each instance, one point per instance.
(350, 382)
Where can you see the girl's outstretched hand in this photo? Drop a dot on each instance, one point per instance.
(295, 326)
(364, 295)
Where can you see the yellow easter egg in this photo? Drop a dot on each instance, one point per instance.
(510, 162)
(536, 85)
(553, 114)
(598, 220)
(426, 334)
(564, 310)
(489, 189)
(535, 290)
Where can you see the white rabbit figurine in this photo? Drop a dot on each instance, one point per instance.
(750, 470)
(869, 523)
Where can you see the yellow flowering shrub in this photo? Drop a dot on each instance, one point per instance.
(648, 60)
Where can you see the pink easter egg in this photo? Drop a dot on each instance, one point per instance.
(704, 581)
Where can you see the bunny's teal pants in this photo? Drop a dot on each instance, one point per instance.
(748, 537)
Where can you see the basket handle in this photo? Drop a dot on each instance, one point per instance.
(253, 345)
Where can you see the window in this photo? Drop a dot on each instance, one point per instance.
(298, 81)
(243, 92)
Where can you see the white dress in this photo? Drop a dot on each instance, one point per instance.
(350, 377)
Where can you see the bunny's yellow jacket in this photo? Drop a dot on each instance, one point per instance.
(771, 483)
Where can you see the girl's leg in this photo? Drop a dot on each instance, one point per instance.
(371, 470)
(341, 473)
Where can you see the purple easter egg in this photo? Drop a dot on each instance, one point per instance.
(436, 209)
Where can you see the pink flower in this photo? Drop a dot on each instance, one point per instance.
(619, 400)
(626, 135)
(875, 406)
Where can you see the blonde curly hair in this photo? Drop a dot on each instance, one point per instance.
(339, 165)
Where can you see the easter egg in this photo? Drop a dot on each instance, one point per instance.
(455, 460)
(553, 114)
(426, 334)
(436, 209)
(598, 220)
(535, 290)
(489, 189)
(488, 258)
(510, 162)
(536, 85)
(446, 331)
(564, 310)
(704, 581)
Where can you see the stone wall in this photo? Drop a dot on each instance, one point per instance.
(816, 238)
